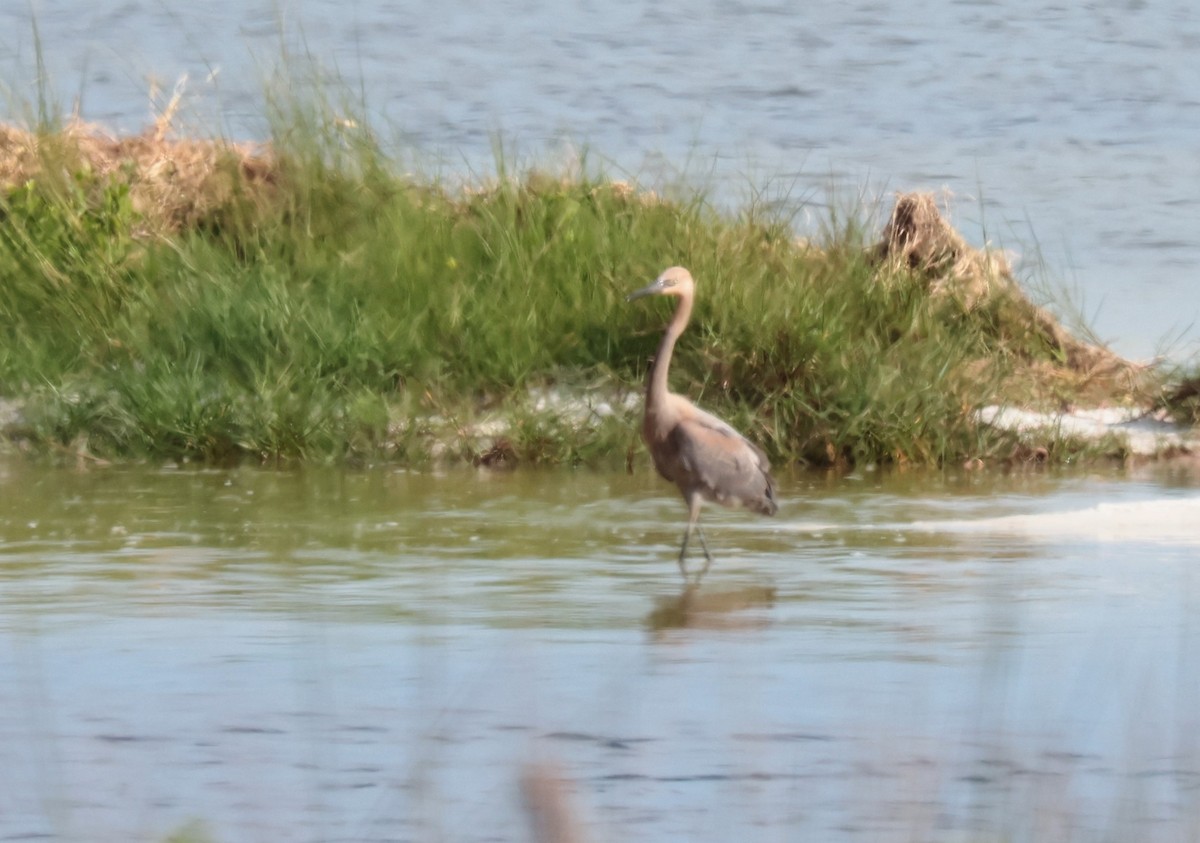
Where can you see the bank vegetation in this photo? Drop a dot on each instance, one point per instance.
(309, 298)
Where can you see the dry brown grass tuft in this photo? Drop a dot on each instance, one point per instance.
(918, 238)
(174, 183)
(547, 797)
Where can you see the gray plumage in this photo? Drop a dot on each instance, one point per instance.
(706, 458)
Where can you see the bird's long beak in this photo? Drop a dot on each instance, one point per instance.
(653, 290)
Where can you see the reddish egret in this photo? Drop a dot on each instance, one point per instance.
(702, 455)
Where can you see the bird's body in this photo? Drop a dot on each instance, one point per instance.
(698, 452)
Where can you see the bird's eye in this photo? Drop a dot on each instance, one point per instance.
(668, 282)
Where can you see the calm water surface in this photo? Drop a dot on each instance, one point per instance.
(374, 655)
(1066, 131)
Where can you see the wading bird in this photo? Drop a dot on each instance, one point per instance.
(702, 455)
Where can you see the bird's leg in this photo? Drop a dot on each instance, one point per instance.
(707, 555)
(687, 534)
(693, 501)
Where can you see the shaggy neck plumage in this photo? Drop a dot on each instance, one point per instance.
(656, 391)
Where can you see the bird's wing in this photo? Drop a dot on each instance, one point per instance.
(722, 464)
(708, 421)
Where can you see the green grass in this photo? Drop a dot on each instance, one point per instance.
(363, 313)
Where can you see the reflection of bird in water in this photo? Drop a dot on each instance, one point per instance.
(738, 608)
(702, 455)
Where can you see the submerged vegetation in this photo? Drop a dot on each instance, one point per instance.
(308, 298)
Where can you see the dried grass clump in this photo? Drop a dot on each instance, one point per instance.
(547, 798)
(1183, 400)
(174, 183)
(919, 239)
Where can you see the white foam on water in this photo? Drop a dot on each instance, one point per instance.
(1173, 521)
(1158, 521)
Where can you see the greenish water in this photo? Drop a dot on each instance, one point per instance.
(374, 655)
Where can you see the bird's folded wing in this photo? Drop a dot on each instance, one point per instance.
(726, 466)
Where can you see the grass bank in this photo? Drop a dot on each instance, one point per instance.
(311, 298)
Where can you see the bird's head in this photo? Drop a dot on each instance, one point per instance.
(675, 281)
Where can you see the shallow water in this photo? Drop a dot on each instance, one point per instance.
(1066, 131)
(371, 655)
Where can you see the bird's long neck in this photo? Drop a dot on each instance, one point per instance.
(656, 391)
